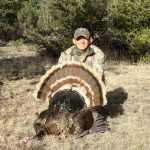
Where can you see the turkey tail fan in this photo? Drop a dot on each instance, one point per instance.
(74, 76)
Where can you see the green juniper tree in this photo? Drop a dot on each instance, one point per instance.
(57, 21)
(120, 27)
(8, 19)
(129, 27)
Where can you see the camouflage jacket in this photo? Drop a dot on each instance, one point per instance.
(93, 57)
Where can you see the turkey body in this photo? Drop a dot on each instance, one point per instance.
(74, 91)
(61, 123)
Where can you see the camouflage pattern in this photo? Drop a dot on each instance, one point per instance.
(93, 57)
(82, 32)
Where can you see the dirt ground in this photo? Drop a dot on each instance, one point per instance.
(128, 105)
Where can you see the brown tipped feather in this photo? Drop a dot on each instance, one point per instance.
(73, 74)
(41, 95)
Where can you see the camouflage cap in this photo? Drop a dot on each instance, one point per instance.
(82, 32)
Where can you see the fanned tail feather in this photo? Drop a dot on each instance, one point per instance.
(73, 75)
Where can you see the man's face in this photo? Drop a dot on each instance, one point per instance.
(82, 43)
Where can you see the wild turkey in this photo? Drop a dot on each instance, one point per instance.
(75, 92)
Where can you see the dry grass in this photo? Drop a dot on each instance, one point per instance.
(128, 95)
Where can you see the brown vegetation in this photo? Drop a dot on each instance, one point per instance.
(128, 96)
